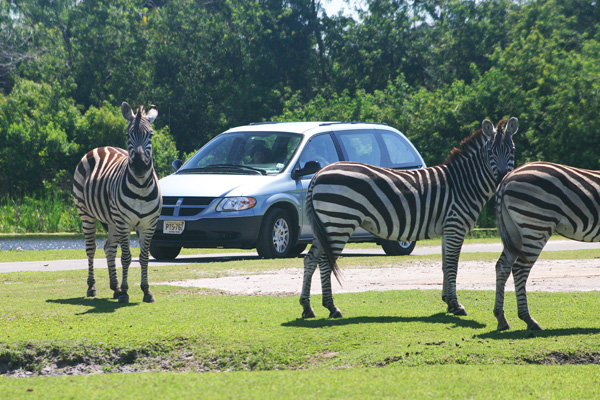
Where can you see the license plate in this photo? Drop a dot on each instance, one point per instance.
(174, 227)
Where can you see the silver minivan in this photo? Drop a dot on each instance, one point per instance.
(246, 187)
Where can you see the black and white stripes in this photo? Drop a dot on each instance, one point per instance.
(444, 200)
(120, 189)
(535, 201)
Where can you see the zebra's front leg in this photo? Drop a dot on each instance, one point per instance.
(144, 238)
(451, 245)
(520, 272)
(310, 265)
(325, 268)
(503, 268)
(125, 263)
(110, 250)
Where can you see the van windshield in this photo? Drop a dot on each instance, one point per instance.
(245, 153)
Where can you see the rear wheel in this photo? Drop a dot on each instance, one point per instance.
(276, 233)
(164, 252)
(398, 247)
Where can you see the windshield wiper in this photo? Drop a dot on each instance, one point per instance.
(217, 167)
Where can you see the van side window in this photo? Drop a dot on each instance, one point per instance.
(321, 149)
(399, 152)
(361, 146)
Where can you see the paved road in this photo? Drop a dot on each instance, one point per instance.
(63, 265)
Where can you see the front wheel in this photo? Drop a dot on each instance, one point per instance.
(163, 252)
(276, 234)
(398, 247)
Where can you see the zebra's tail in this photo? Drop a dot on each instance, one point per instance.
(510, 235)
(319, 232)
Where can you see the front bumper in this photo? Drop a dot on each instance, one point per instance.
(232, 232)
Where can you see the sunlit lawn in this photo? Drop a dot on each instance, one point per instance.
(206, 344)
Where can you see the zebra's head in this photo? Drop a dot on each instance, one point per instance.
(139, 138)
(500, 149)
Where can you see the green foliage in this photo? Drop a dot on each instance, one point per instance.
(48, 213)
(164, 152)
(432, 69)
(98, 127)
(36, 125)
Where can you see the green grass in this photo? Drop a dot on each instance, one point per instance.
(389, 344)
(428, 382)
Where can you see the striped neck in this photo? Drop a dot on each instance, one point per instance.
(470, 169)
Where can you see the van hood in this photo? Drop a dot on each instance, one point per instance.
(215, 185)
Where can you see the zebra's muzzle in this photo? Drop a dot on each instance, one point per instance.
(139, 162)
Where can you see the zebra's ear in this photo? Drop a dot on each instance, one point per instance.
(512, 126)
(127, 111)
(487, 128)
(152, 114)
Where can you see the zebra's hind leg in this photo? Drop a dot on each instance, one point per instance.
(144, 238)
(503, 268)
(89, 231)
(310, 265)
(521, 270)
(326, 269)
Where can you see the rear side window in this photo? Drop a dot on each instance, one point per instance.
(378, 147)
(360, 146)
(399, 152)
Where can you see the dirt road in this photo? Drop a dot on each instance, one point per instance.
(555, 275)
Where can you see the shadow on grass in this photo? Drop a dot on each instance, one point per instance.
(439, 318)
(525, 334)
(97, 305)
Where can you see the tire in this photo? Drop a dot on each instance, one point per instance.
(276, 235)
(164, 252)
(398, 248)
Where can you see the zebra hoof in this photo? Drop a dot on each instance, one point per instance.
(336, 314)
(461, 312)
(534, 326)
(308, 314)
(118, 293)
(504, 326)
(92, 293)
(124, 298)
(457, 310)
(149, 298)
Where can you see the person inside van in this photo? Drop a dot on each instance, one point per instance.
(260, 154)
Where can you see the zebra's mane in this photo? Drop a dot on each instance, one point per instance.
(139, 113)
(472, 144)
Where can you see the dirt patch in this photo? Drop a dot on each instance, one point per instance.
(560, 358)
(546, 275)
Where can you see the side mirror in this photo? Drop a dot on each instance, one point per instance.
(309, 168)
(176, 165)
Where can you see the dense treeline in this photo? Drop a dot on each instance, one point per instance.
(434, 69)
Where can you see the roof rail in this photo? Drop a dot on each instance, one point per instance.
(353, 123)
(265, 123)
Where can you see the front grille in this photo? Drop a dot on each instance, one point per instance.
(184, 206)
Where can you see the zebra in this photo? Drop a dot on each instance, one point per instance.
(533, 202)
(443, 200)
(119, 188)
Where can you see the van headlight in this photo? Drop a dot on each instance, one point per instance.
(236, 203)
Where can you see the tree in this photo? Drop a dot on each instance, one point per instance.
(35, 127)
